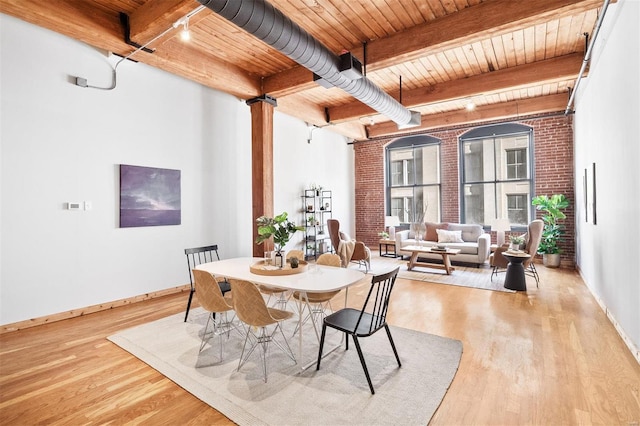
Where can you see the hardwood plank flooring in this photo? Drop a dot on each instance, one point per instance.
(547, 356)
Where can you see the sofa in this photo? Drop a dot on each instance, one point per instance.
(474, 244)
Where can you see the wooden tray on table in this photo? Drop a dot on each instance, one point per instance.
(261, 269)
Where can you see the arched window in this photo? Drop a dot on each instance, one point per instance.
(497, 174)
(413, 179)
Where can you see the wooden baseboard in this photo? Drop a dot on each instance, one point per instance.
(90, 309)
(635, 351)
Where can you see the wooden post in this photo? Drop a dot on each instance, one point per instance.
(261, 165)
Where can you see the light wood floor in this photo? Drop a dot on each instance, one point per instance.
(548, 356)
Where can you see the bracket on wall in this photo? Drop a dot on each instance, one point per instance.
(124, 20)
(263, 98)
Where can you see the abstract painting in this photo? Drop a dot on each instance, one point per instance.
(149, 196)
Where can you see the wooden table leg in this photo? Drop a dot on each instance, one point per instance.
(412, 260)
(447, 263)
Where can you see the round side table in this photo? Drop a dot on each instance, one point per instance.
(515, 278)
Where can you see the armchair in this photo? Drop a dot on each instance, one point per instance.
(532, 241)
(348, 250)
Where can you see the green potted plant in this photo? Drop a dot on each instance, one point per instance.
(552, 232)
(384, 235)
(516, 241)
(281, 229)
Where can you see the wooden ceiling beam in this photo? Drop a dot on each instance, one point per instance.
(155, 16)
(313, 114)
(184, 59)
(80, 20)
(512, 109)
(555, 69)
(75, 19)
(485, 20)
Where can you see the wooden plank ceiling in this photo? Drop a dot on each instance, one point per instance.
(509, 58)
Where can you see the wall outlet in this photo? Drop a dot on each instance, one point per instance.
(73, 206)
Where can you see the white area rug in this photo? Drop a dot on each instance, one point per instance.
(337, 394)
(463, 276)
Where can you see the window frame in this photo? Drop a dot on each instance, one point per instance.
(496, 132)
(413, 142)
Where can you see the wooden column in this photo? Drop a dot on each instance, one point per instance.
(261, 165)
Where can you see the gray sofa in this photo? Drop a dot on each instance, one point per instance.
(474, 248)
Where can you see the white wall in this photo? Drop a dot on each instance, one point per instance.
(607, 132)
(61, 143)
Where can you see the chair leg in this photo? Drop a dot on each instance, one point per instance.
(364, 365)
(534, 272)
(189, 304)
(204, 333)
(263, 339)
(324, 331)
(393, 346)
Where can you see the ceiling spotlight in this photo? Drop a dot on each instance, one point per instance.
(470, 106)
(185, 35)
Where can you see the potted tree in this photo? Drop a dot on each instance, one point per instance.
(552, 231)
(281, 229)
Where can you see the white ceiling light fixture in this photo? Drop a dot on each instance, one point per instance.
(185, 35)
(470, 105)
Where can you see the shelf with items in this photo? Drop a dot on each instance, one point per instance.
(316, 206)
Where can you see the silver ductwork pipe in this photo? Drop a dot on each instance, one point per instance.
(268, 24)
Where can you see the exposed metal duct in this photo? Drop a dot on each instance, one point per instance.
(268, 24)
(587, 55)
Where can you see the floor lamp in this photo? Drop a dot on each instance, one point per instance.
(500, 226)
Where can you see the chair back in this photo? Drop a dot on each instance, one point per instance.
(333, 227)
(535, 236)
(198, 255)
(249, 305)
(373, 315)
(295, 253)
(329, 259)
(208, 292)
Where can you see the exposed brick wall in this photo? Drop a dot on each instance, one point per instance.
(554, 174)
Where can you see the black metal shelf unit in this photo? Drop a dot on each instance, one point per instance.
(316, 208)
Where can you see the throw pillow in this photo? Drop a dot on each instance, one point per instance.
(431, 234)
(449, 236)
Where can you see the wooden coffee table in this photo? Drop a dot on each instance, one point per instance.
(446, 262)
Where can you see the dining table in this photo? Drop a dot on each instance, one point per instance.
(312, 279)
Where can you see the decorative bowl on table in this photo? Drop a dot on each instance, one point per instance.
(261, 269)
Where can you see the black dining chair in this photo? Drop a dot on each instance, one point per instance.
(197, 256)
(366, 321)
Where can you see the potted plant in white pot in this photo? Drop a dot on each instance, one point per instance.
(516, 242)
(281, 229)
(552, 232)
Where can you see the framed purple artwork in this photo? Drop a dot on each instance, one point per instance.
(149, 196)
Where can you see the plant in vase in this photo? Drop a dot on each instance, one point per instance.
(281, 229)
(417, 226)
(516, 242)
(552, 232)
(384, 235)
(317, 188)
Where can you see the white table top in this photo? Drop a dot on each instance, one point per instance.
(318, 279)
